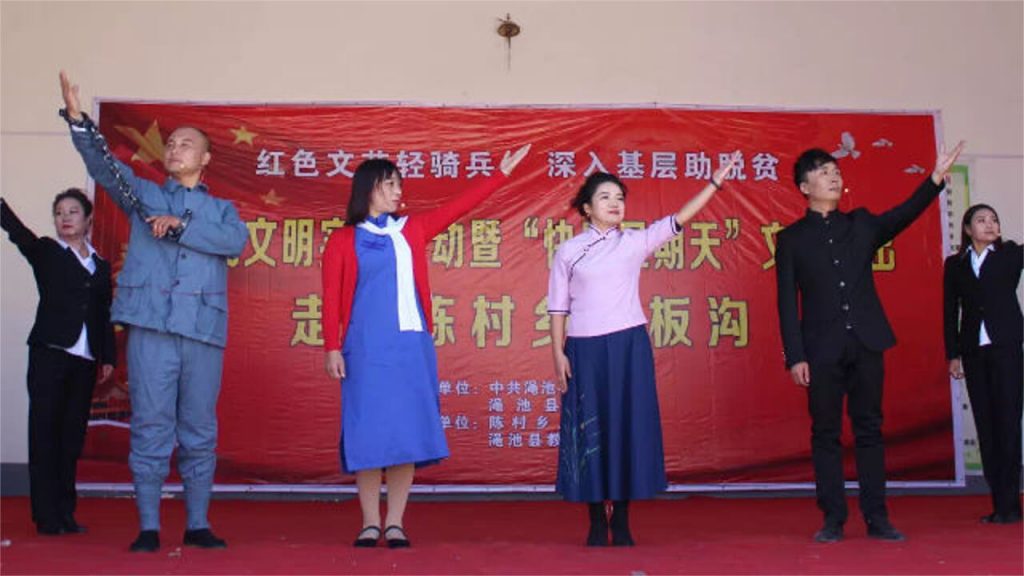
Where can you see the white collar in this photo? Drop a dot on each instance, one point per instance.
(989, 248)
(88, 247)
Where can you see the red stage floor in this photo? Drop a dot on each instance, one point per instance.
(698, 535)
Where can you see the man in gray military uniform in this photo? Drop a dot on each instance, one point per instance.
(172, 299)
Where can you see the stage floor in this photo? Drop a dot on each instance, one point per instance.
(696, 535)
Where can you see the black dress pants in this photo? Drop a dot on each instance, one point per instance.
(60, 387)
(995, 380)
(856, 377)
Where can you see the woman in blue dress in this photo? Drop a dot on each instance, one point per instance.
(377, 334)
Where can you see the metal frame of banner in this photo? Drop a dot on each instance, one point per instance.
(524, 489)
(960, 480)
(484, 106)
(954, 388)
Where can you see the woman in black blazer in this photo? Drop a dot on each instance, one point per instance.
(72, 334)
(984, 334)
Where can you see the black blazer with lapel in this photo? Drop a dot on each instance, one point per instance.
(68, 295)
(825, 263)
(991, 297)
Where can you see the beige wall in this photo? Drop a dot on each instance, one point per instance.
(965, 59)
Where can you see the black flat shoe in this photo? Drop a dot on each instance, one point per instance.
(996, 518)
(47, 529)
(71, 527)
(884, 531)
(203, 538)
(598, 535)
(148, 541)
(364, 540)
(829, 534)
(400, 542)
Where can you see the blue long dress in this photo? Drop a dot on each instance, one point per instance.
(390, 406)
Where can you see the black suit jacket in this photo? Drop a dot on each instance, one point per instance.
(825, 262)
(992, 297)
(68, 295)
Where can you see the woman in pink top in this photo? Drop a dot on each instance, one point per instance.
(610, 448)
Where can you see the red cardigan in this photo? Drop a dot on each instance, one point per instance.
(341, 267)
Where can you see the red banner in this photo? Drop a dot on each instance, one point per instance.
(730, 414)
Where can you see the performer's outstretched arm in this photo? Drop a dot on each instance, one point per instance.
(22, 237)
(714, 184)
(899, 217)
(96, 163)
(437, 220)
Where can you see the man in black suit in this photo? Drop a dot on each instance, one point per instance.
(71, 335)
(984, 334)
(834, 340)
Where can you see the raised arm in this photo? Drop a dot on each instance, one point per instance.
(437, 220)
(85, 136)
(714, 184)
(899, 217)
(20, 235)
(664, 229)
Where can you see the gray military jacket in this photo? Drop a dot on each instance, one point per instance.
(171, 285)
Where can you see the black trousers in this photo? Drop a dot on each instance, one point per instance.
(60, 389)
(856, 377)
(995, 380)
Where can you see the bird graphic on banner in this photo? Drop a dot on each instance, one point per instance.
(847, 147)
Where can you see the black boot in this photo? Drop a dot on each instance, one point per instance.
(598, 525)
(148, 541)
(620, 524)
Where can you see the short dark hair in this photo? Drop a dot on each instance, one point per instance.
(965, 240)
(368, 175)
(810, 161)
(74, 194)
(589, 187)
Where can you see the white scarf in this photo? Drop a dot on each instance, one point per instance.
(408, 314)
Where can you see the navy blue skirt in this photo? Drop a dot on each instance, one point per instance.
(610, 437)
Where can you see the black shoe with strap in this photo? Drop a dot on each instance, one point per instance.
(203, 538)
(400, 541)
(367, 537)
(147, 541)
